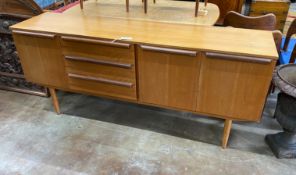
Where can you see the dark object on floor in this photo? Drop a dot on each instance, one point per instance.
(11, 73)
(283, 144)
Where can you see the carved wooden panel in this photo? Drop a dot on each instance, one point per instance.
(19, 7)
(11, 72)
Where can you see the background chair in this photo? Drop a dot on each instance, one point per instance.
(288, 54)
(264, 22)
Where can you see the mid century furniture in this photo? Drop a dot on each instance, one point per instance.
(227, 5)
(265, 22)
(164, 11)
(288, 54)
(283, 144)
(154, 1)
(214, 71)
(126, 5)
(11, 72)
(279, 8)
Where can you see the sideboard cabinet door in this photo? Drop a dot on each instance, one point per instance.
(41, 58)
(234, 86)
(168, 77)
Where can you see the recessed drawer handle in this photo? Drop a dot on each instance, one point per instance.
(40, 35)
(168, 50)
(238, 58)
(103, 62)
(101, 80)
(96, 41)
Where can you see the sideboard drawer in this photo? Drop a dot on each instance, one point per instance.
(96, 67)
(98, 49)
(102, 86)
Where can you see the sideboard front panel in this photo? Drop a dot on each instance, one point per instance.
(234, 87)
(168, 77)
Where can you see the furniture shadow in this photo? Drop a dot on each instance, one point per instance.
(175, 123)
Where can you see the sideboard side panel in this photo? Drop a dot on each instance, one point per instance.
(234, 89)
(42, 60)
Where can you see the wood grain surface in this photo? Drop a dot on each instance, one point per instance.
(224, 40)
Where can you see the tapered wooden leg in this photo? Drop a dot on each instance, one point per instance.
(145, 6)
(127, 5)
(81, 4)
(196, 7)
(227, 129)
(154, 1)
(54, 100)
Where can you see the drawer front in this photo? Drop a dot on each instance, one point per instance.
(102, 68)
(98, 49)
(102, 86)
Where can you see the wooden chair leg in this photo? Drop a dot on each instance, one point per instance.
(196, 7)
(81, 4)
(154, 1)
(55, 100)
(145, 6)
(127, 5)
(227, 129)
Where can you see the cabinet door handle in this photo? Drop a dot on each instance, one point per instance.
(169, 50)
(96, 41)
(238, 58)
(103, 62)
(40, 35)
(101, 80)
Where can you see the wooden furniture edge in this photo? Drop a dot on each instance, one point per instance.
(126, 44)
(178, 50)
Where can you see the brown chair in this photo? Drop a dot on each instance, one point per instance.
(291, 31)
(288, 54)
(277, 36)
(265, 22)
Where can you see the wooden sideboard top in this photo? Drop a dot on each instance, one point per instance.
(205, 38)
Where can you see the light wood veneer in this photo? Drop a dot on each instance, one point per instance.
(220, 72)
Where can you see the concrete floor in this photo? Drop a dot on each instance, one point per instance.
(99, 136)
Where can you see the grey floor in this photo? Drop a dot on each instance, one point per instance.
(99, 136)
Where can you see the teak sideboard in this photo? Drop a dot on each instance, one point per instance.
(214, 71)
